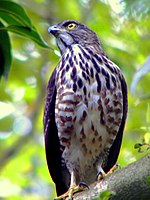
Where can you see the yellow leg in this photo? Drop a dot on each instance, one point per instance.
(73, 189)
(114, 168)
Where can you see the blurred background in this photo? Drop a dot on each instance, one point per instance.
(123, 27)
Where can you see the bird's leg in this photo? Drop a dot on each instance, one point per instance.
(72, 185)
(114, 168)
(68, 195)
(73, 189)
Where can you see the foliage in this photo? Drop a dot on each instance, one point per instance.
(124, 36)
(18, 22)
(143, 146)
(148, 180)
(105, 195)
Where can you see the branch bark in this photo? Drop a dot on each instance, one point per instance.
(130, 182)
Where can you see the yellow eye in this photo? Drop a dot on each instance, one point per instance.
(71, 26)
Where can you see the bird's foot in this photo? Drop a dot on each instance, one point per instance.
(101, 174)
(72, 190)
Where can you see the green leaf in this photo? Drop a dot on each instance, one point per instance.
(5, 52)
(18, 22)
(148, 180)
(105, 195)
(28, 33)
(16, 12)
(8, 18)
(137, 145)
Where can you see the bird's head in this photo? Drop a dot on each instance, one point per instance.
(71, 32)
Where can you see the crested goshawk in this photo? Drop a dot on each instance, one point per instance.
(85, 109)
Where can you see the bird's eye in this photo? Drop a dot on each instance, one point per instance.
(71, 26)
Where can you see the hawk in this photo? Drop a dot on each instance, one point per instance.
(85, 109)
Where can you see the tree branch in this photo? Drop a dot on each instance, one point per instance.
(130, 182)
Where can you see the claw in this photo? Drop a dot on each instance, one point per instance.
(72, 190)
(83, 185)
(100, 175)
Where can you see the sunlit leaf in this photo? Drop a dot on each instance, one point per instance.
(147, 137)
(6, 109)
(5, 52)
(16, 11)
(148, 114)
(28, 33)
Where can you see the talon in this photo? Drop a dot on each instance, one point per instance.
(100, 175)
(83, 185)
(72, 190)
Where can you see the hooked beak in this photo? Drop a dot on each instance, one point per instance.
(54, 30)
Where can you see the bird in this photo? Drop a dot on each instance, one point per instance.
(85, 110)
